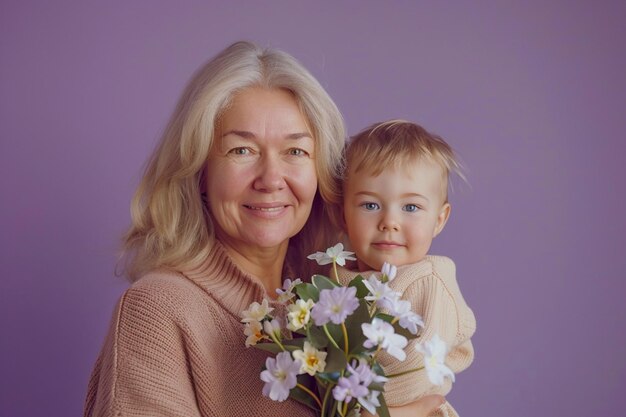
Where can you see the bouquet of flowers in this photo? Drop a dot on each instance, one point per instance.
(327, 345)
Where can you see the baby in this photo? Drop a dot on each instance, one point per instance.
(394, 204)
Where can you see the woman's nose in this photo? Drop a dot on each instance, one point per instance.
(271, 176)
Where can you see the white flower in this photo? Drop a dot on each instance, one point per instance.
(256, 312)
(313, 360)
(299, 314)
(370, 403)
(401, 309)
(335, 305)
(389, 272)
(286, 293)
(380, 333)
(254, 331)
(380, 293)
(334, 254)
(435, 351)
(272, 328)
(280, 376)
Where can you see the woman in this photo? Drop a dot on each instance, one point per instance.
(231, 201)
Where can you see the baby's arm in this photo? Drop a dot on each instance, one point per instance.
(431, 288)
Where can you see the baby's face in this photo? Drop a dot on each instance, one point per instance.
(393, 217)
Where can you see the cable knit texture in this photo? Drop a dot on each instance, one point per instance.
(430, 285)
(176, 347)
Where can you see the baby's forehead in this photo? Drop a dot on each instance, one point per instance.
(401, 165)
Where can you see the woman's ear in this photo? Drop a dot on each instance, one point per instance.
(442, 218)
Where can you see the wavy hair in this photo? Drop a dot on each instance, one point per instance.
(171, 225)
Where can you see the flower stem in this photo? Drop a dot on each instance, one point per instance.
(405, 372)
(335, 271)
(326, 396)
(275, 339)
(330, 337)
(308, 391)
(345, 338)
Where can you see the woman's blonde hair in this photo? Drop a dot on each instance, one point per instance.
(171, 225)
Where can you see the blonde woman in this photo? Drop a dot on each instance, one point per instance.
(230, 203)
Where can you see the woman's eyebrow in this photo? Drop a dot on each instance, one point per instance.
(249, 135)
(241, 133)
(299, 135)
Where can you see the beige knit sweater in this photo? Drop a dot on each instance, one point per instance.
(176, 348)
(430, 285)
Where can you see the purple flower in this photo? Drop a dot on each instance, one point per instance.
(280, 376)
(335, 305)
(357, 386)
(348, 388)
(365, 373)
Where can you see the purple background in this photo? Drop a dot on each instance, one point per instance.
(532, 95)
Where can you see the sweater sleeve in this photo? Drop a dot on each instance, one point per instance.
(434, 297)
(142, 369)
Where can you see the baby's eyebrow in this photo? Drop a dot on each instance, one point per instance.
(414, 195)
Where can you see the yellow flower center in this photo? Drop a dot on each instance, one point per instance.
(312, 361)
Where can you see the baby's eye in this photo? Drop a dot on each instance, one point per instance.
(370, 206)
(410, 208)
(297, 152)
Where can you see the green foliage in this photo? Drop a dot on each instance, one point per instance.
(361, 289)
(353, 325)
(307, 292)
(323, 283)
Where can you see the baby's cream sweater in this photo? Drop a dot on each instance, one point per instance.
(176, 347)
(430, 285)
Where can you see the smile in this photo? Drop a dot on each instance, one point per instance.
(266, 209)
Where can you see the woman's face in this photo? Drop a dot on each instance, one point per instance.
(261, 177)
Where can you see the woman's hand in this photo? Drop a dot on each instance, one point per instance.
(420, 408)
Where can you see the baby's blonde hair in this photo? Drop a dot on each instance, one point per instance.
(396, 142)
(171, 225)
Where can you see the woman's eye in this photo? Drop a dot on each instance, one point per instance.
(410, 208)
(239, 151)
(370, 206)
(297, 152)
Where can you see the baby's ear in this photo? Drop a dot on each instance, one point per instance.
(442, 218)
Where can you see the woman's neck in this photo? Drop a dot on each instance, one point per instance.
(266, 264)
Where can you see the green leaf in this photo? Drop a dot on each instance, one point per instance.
(308, 292)
(336, 332)
(331, 377)
(274, 348)
(382, 411)
(303, 397)
(361, 289)
(317, 337)
(335, 360)
(323, 283)
(387, 317)
(296, 343)
(355, 332)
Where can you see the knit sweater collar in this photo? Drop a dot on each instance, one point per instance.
(231, 287)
